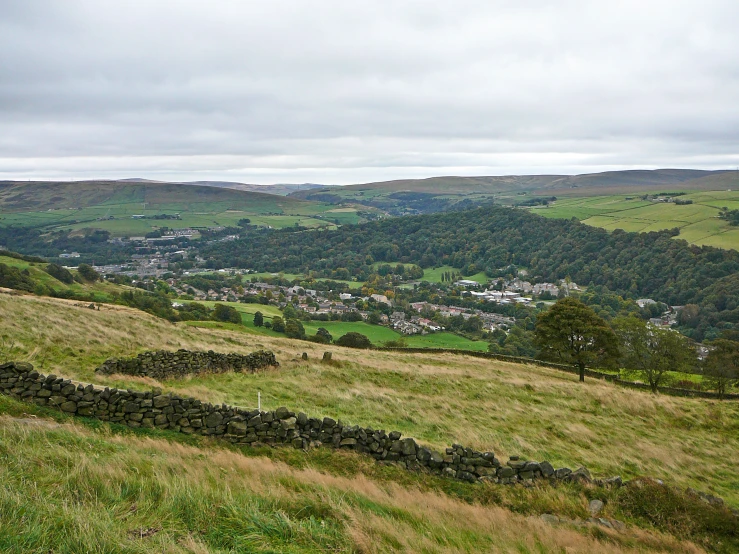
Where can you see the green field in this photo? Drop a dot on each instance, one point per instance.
(376, 333)
(111, 206)
(433, 275)
(698, 222)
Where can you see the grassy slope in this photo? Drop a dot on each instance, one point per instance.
(439, 399)
(101, 291)
(78, 205)
(99, 488)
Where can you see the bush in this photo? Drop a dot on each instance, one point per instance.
(87, 273)
(60, 273)
(354, 340)
(294, 329)
(683, 514)
(221, 312)
(322, 336)
(278, 324)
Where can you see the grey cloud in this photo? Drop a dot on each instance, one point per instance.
(353, 91)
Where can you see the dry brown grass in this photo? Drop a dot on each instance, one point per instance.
(532, 411)
(373, 516)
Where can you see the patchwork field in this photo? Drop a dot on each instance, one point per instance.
(698, 222)
(111, 206)
(376, 333)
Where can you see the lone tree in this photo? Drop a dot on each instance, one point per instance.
(653, 351)
(294, 329)
(721, 366)
(278, 324)
(354, 340)
(573, 333)
(221, 312)
(87, 273)
(258, 319)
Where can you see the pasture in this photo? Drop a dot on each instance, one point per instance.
(698, 222)
(112, 206)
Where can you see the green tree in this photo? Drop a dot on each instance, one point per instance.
(721, 366)
(87, 273)
(221, 312)
(653, 351)
(278, 324)
(60, 273)
(289, 312)
(374, 317)
(258, 319)
(322, 336)
(573, 333)
(294, 329)
(354, 340)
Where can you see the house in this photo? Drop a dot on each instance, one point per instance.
(345, 296)
(467, 283)
(397, 316)
(380, 298)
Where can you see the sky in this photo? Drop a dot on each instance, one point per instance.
(341, 92)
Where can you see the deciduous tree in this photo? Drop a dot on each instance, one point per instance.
(573, 333)
(653, 351)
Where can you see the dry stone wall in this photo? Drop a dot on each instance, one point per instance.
(281, 426)
(162, 364)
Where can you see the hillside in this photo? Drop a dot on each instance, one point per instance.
(507, 408)
(634, 265)
(111, 205)
(609, 200)
(509, 188)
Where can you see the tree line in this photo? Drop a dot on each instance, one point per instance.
(632, 265)
(572, 333)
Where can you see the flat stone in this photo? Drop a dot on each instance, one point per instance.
(348, 442)
(237, 428)
(288, 423)
(70, 407)
(282, 413)
(213, 420)
(546, 469)
(595, 507)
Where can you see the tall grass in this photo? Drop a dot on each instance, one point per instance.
(439, 399)
(69, 488)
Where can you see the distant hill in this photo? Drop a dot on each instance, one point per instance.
(436, 194)
(23, 196)
(135, 207)
(637, 179)
(281, 189)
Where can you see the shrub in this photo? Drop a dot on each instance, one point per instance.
(87, 273)
(294, 329)
(684, 514)
(60, 273)
(221, 312)
(354, 340)
(278, 324)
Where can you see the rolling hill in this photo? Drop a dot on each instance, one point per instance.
(112, 205)
(590, 183)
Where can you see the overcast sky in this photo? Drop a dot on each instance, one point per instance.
(350, 91)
